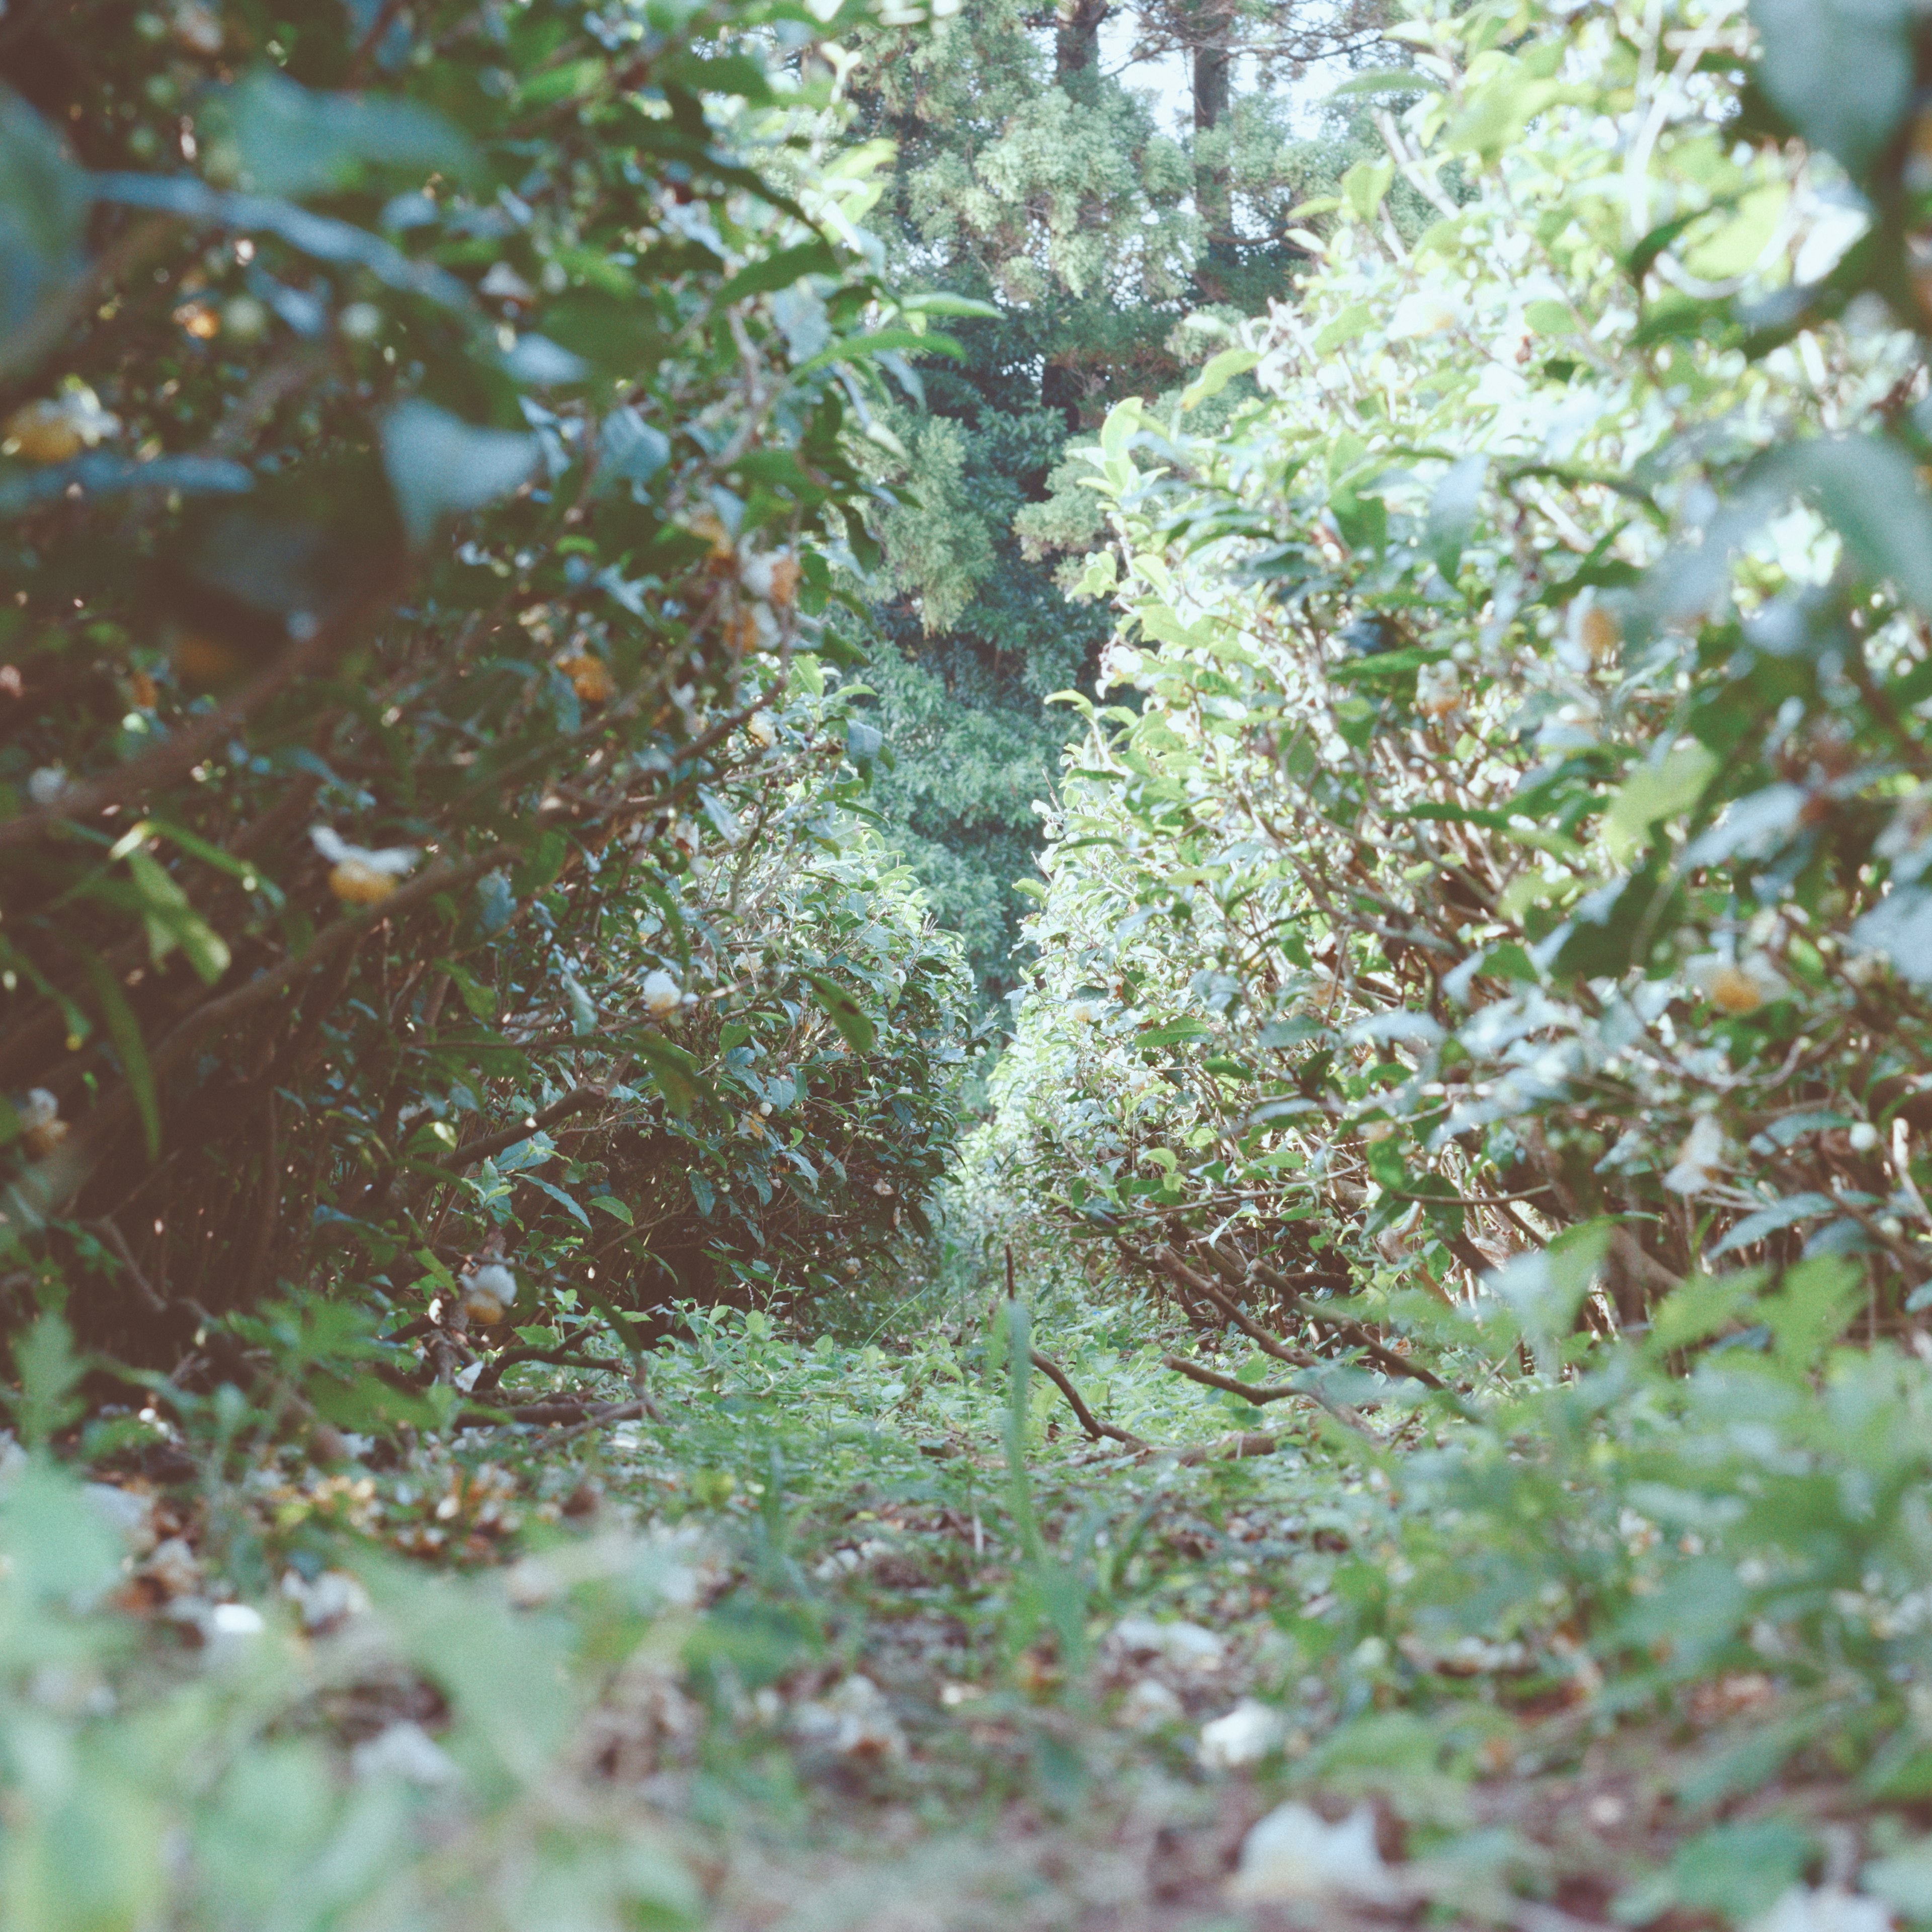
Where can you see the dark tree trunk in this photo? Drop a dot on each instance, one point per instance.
(1212, 67)
(1213, 75)
(1076, 41)
(1060, 388)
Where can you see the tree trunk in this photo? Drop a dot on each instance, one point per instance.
(1212, 67)
(1213, 74)
(1060, 388)
(1076, 40)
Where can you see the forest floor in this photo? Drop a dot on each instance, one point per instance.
(901, 1684)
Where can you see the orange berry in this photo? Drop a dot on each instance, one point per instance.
(203, 660)
(42, 433)
(1732, 990)
(785, 582)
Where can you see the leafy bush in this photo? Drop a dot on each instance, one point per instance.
(427, 777)
(1521, 827)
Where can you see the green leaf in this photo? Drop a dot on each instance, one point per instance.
(620, 333)
(1808, 1313)
(540, 865)
(241, 869)
(882, 342)
(1701, 1306)
(815, 257)
(1739, 1870)
(1365, 184)
(1495, 116)
(496, 906)
(125, 1032)
(173, 921)
(439, 467)
(43, 208)
(50, 1375)
(1123, 421)
(629, 450)
(1785, 1214)
(1839, 71)
(480, 999)
(740, 74)
(1452, 512)
(1388, 80)
(564, 82)
(941, 303)
(612, 1205)
(673, 1069)
(1362, 519)
(1867, 487)
(1899, 926)
(1220, 371)
(556, 1193)
(436, 1270)
(289, 141)
(845, 1011)
(1346, 326)
(1663, 790)
(1175, 1033)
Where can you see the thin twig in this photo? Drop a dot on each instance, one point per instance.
(575, 1415)
(1346, 1413)
(118, 1241)
(1259, 1393)
(1383, 1357)
(1236, 1448)
(578, 1100)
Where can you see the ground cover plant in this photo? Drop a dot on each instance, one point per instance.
(550, 1383)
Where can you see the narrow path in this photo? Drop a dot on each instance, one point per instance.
(964, 1725)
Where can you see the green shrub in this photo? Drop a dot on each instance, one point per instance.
(1519, 824)
(427, 796)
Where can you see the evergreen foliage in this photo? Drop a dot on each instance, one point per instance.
(1519, 842)
(1031, 180)
(431, 851)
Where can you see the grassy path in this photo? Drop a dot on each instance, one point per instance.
(940, 1696)
(870, 1635)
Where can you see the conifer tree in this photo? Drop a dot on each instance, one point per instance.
(1033, 175)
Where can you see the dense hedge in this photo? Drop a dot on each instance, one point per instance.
(1518, 833)
(426, 830)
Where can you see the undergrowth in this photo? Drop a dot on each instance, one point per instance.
(856, 1611)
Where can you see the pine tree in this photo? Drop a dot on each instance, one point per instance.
(1030, 179)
